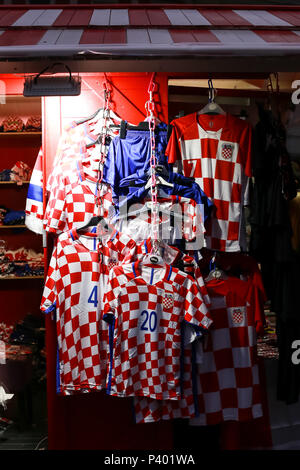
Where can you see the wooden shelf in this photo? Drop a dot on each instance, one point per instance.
(14, 182)
(20, 277)
(13, 226)
(20, 133)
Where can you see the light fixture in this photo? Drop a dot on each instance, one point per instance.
(39, 85)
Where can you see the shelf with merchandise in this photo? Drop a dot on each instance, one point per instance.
(14, 182)
(27, 133)
(13, 226)
(6, 278)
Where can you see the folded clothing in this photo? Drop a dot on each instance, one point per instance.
(13, 124)
(20, 269)
(20, 172)
(21, 262)
(24, 254)
(13, 217)
(3, 212)
(34, 123)
(5, 175)
(5, 331)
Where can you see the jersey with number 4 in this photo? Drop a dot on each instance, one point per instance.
(145, 306)
(74, 288)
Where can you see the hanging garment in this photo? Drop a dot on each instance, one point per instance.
(71, 149)
(131, 157)
(34, 207)
(144, 306)
(239, 265)
(271, 242)
(74, 290)
(73, 202)
(216, 151)
(228, 377)
(149, 410)
(274, 186)
(179, 218)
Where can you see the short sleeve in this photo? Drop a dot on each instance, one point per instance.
(202, 287)
(195, 310)
(48, 302)
(110, 173)
(110, 300)
(55, 214)
(173, 151)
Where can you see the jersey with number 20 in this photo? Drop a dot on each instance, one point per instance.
(145, 306)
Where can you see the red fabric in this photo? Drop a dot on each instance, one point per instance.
(251, 435)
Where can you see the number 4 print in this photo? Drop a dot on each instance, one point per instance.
(93, 298)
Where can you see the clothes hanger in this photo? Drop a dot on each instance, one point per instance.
(159, 181)
(154, 256)
(142, 126)
(211, 107)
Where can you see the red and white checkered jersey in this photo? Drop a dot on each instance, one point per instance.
(228, 375)
(172, 255)
(216, 151)
(71, 150)
(145, 305)
(74, 288)
(34, 209)
(180, 219)
(72, 146)
(73, 205)
(149, 410)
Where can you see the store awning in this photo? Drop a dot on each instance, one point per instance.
(148, 31)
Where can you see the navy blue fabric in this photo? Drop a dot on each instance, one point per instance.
(192, 191)
(131, 157)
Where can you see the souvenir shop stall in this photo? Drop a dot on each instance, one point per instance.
(147, 217)
(166, 205)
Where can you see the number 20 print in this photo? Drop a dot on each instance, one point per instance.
(149, 321)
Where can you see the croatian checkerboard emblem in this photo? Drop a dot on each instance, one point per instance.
(168, 301)
(112, 263)
(237, 316)
(227, 151)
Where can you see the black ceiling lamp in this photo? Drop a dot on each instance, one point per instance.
(40, 85)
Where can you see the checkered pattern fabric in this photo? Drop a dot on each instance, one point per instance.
(34, 209)
(74, 288)
(149, 410)
(71, 152)
(73, 205)
(228, 376)
(172, 255)
(145, 339)
(216, 151)
(72, 147)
